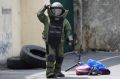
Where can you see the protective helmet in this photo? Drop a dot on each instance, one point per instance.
(57, 4)
(57, 8)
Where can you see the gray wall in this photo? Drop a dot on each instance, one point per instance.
(10, 43)
(101, 19)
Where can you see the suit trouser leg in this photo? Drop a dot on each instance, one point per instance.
(50, 64)
(59, 57)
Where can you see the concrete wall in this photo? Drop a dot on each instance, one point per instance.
(103, 17)
(101, 23)
(31, 27)
(10, 37)
(19, 26)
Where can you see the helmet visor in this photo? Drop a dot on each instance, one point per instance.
(56, 11)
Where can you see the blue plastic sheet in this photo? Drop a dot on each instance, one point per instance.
(97, 64)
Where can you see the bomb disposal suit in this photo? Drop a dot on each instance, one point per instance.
(56, 30)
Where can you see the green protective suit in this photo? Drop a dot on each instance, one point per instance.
(54, 55)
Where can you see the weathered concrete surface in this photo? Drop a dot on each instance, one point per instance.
(103, 17)
(101, 23)
(110, 59)
(10, 43)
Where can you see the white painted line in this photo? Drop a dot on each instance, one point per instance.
(36, 75)
(109, 58)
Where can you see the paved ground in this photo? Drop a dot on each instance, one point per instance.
(112, 60)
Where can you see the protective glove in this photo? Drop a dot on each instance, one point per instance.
(46, 6)
(70, 38)
(43, 37)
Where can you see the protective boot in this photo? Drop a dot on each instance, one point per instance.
(60, 74)
(50, 66)
(51, 75)
(58, 65)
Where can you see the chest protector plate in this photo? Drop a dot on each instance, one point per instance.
(55, 31)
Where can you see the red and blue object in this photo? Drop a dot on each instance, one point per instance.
(92, 67)
(82, 69)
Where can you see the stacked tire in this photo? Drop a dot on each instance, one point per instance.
(17, 63)
(31, 56)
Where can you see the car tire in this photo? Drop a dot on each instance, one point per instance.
(16, 63)
(34, 56)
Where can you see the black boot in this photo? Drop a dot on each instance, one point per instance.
(51, 75)
(60, 74)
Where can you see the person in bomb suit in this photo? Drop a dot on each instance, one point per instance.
(56, 29)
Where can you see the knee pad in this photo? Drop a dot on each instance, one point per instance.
(59, 59)
(50, 58)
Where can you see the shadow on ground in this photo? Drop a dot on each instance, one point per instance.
(74, 78)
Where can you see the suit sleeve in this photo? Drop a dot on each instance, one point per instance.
(67, 29)
(41, 16)
(44, 19)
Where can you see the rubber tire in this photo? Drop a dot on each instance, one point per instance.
(34, 56)
(16, 63)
